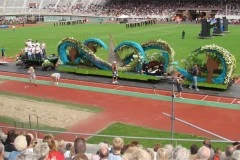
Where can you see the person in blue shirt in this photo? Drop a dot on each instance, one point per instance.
(194, 74)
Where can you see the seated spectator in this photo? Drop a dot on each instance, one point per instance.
(203, 153)
(229, 151)
(169, 148)
(61, 146)
(236, 155)
(149, 151)
(155, 149)
(9, 143)
(217, 154)
(41, 150)
(162, 154)
(53, 148)
(29, 138)
(208, 144)
(80, 156)
(123, 150)
(80, 148)
(101, 145)
(3, 137)
(193, 152)
(104, 153)
(136, 153)
(20, 144)
(180, 153)
(134, 143)
(117, 146)
(67, 153)
(1, 151)
(26, 155)
(236, 144)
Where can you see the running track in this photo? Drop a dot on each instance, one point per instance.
(142, 111)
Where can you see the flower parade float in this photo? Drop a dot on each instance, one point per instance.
(216, 67)
(82, 58)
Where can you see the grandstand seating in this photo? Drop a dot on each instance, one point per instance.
(114, 8)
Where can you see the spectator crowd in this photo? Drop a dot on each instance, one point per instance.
(142, 7)
(24, 146)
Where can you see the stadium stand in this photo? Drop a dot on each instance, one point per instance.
(21, 145)
(159, 9)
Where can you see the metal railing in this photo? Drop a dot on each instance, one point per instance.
(78, 134)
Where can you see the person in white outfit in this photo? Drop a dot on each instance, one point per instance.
(55, 78)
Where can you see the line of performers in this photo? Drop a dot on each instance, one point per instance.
(140, 23)
(34, 50)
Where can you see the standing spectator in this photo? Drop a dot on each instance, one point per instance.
(43, 47)
(38, 51)
(179, 82)
(33, 51)
(32, 75)
(3, 54)
(194, 80)
(114, 72)
(29, 51)
(26, 51)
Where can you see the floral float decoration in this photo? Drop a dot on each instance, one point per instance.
(73, 52)
(214, 54)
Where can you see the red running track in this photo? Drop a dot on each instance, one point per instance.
(193, 95)
(133, 110)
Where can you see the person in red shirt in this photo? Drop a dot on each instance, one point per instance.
(54, 154)
(217, 154)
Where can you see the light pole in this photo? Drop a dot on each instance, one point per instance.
(37, 126)
(173, 111)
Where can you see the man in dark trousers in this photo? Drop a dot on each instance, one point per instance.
(183, 34)
(194, 80)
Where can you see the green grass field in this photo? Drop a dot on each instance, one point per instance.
(116, 129)
(119, 129)
(13, 41)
